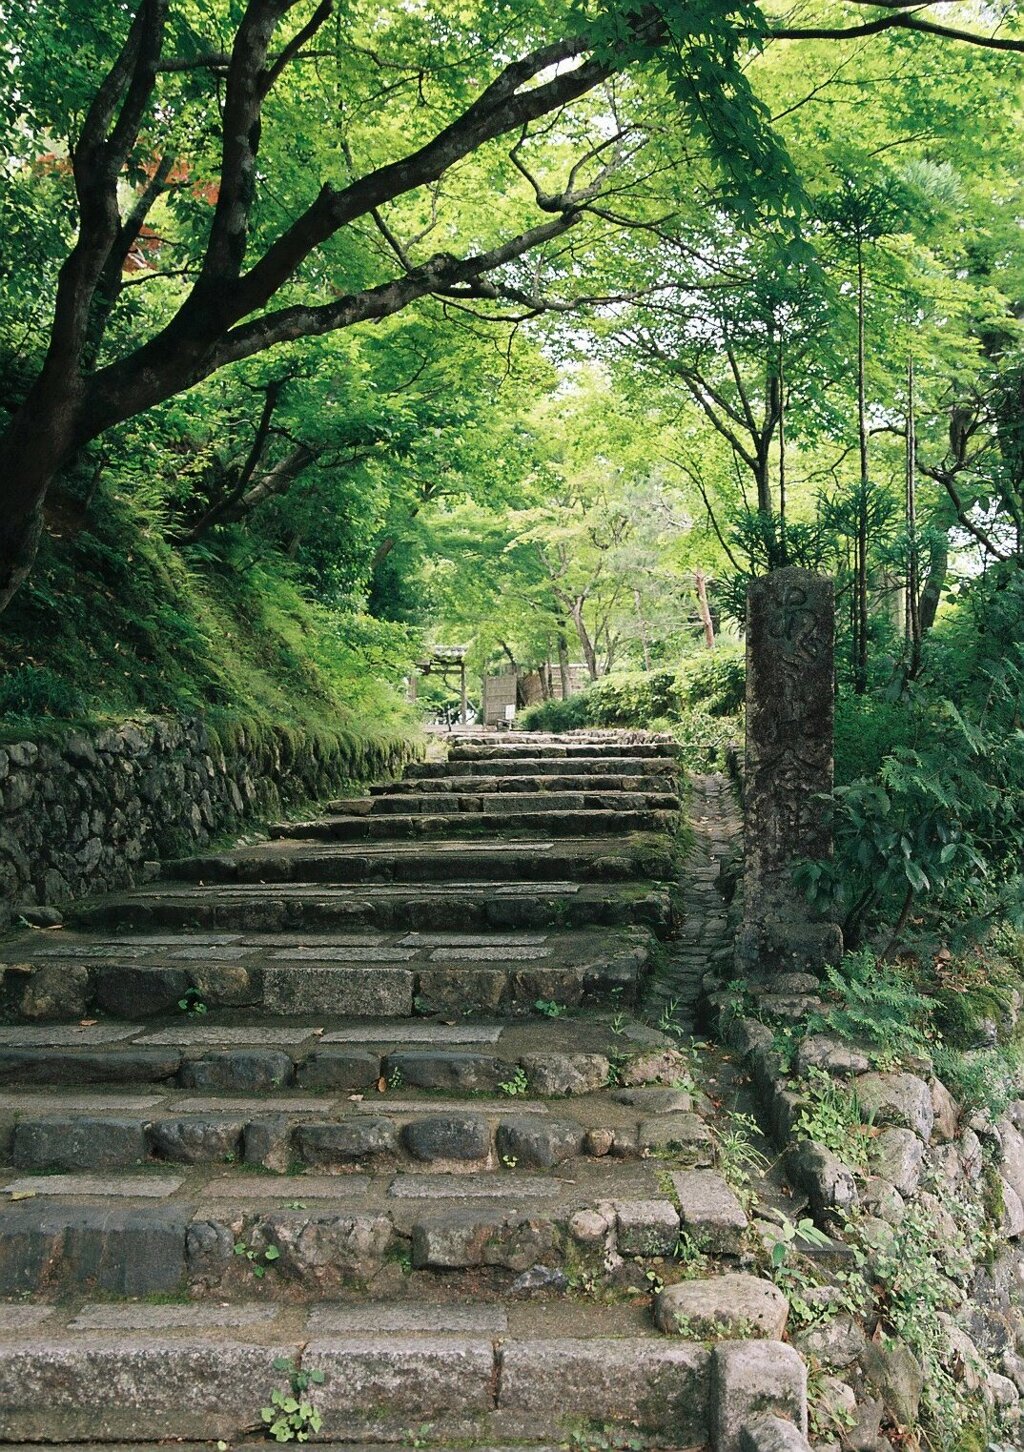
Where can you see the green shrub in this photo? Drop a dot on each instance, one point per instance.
(715, 682)
(628, 698)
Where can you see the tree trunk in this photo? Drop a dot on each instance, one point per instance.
(638, 602)
(700, 580)
(931, 594)
(914, 631)
(860, 667)
(563, 666)
(38, 444)
(587, 645)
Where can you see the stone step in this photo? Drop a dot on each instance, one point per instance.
(522, 784)
(217, 1053)
(204, 1232)
(376, 973)
(411, 802)
(542, 1378)
(589, 859)
(56, 1131)
(457, 904)
(543, 766)
(561, 747)
(545, 821)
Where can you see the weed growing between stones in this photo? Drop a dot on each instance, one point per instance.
(582, 1438)
(192, 1003)
(832, 1116)
(984, 1080)
(516, 1086)
(259, 1267)
(550, 1008)
(737, 1154)
(291, 1417)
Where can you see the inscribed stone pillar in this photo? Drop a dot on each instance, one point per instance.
(788, 764)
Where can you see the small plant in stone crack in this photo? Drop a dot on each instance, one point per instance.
(617, 1061)
(604, 1439)
(655, 1282)
(259, 1266)
(550, 1008)
(832, 1116)
(418, 1436)
(689, 1254)
(192, 1002)
(828, 1422)
(738, 1155)
(618, 1024)
(291, 1416)
(517, 1085)
(811, 1300)
(509, 1161)
(669, 1021)
(395, 1079)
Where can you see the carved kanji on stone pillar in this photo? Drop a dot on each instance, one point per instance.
(788, 764)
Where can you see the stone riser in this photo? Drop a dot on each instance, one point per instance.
(459, 908)
(524, 864)
(523, 784)
(540, 766)
(376, 1387)
(316, 1066)
(372, 992)
(282, 1140)
(102, 1247)
(551, 749)
(411, 803)
(544, 823)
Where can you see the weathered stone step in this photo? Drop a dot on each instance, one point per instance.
(547, 750)
(546, 821)
(209, 1384)
(218, 1053)
(457, 904)
(65, 1132)
(412, 802)
(169, 1229)
(589, 859)
(513, 765)
(522, 785)
(377, 973)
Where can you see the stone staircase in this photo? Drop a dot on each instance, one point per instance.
(371, 1114)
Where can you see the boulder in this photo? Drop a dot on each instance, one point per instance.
(755, 1379)
(897, 1156)
(730, 1306)
(902, 1100)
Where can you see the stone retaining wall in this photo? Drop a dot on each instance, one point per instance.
(87, 815)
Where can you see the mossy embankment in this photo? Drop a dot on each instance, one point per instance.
(116, 624)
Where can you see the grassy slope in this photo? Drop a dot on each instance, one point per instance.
(113, 623)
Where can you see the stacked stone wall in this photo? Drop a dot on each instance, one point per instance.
(86, 815)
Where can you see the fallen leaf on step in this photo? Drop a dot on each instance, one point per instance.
(23, 1194)
(382, 1084)
(87, 1022)
(355, 1098)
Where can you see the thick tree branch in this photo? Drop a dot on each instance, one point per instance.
(321, 14)
(246, 89)
(897, 20)
(439, 275)
(500, 108)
